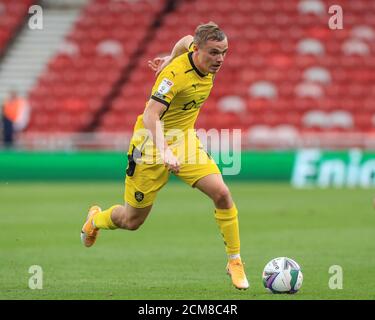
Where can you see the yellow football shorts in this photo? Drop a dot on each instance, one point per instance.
(144, 178)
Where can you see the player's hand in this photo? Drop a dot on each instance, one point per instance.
(171, 162)
(159, 63)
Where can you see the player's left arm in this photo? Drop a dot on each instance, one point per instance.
(182, 46)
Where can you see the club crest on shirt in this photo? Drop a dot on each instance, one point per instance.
(164, 86)
(139, 196)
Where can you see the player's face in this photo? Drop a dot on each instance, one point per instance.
(211, 55)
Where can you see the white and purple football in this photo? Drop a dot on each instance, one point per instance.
(282, 275)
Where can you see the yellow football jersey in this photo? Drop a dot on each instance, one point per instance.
(183, 89)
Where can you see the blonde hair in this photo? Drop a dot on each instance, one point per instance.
(206, 32)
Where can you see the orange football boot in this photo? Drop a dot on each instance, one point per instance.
(235, 269)
(89, 232)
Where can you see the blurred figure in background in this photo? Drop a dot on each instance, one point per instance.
(15, 117)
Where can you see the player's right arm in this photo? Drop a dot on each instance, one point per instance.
(167, 86)
(182, 46)
(151, 121)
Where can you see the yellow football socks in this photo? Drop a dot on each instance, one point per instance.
(103, 219)
(227, 219)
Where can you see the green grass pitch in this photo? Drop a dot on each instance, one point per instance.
(178, 253)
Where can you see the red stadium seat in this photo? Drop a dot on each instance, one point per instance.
(265, 40)
(79, 84)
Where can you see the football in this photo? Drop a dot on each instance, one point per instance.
(282, 275)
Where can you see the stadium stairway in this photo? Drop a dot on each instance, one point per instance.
(97, 54)
(27, 57)
(12, 17)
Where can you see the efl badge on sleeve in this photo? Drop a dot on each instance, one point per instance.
(165, 86)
